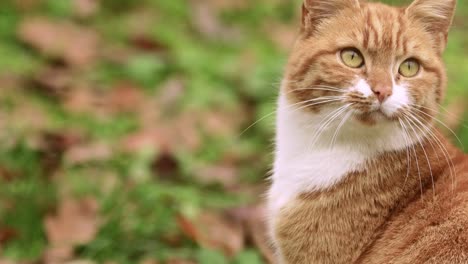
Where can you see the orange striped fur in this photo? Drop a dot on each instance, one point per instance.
(407, 204)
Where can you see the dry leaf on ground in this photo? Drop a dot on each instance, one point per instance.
(52, 146)
(7, 234)
(225, 174)
(75, 45)
(54, 81)
(215, 231)
(4, 261)
(85, 8)
(205, 19)
(125, 97)
(148, 44)
(170, 92)
(166, 135)
(84, 153)
(75, 223)
(254, 220)
(165, 165)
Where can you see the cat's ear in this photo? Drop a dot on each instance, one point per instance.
(436, 16)
(314, 11)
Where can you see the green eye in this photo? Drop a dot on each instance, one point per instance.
(351, 57)
(409, 68)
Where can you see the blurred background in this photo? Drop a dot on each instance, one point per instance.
(122, 126)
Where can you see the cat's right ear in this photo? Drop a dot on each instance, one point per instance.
(436, 16)
(315, 11)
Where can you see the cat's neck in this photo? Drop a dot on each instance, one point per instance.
(312, 154)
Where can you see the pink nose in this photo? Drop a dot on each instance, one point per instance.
(382, 92)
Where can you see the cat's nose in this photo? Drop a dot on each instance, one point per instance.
(382, 92)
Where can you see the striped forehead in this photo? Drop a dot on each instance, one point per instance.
(384, 32)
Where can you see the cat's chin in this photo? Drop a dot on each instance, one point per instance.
(374, 118)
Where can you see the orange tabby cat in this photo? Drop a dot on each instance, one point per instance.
(361, 174)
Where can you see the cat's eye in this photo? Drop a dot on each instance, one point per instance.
(409, 68)
(352, 57)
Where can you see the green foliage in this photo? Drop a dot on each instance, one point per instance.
(239, 67)
(24, 201)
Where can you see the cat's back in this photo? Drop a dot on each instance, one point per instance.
(432, 228)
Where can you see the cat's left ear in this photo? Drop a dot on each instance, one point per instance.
(436, 16)
(315, 11)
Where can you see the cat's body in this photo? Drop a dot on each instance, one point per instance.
(361, 175)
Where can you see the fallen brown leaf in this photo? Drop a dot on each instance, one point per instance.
(205, 19)
(7, 176)
(85, 99)
(254, 220)
(166, 135)
(225, 174)
(165, 165)
(76, 222)
(85, 8)
(215, 231)
(54, 81)
(148, 44)
(125, 97)
(150, 138)
(170, 92)
(7, 234)
(75, 45)
(52, 147)
(91, 152)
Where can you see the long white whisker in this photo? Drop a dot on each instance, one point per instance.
(316, 88)
(417, 162)
(410, 117)
(329, 99)
(442, 123)
(335, 135)
(408, 152)
(328, 120)
(444, 151)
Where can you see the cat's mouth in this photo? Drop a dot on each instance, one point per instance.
(369, 109)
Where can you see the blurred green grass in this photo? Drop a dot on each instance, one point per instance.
(242, 69)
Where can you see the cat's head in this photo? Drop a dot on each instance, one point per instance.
(380, 63)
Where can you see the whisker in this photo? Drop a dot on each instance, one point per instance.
(446, 114)
(424, 151)
(417, 162)
(442, 123)
(453, 115)
(329, 99)
(444, 151)
(317, 89)
(408, 152)
(325, 122)
(343, 121)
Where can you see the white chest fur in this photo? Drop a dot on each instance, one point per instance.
(305, 162)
